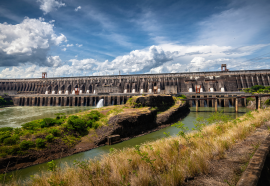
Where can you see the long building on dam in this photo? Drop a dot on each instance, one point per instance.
(121, 85)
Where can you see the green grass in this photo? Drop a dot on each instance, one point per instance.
(38, 134)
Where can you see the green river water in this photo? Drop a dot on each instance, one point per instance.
(15, 116)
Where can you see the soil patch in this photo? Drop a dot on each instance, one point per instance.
(227, 171)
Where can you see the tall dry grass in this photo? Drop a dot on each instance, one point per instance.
(166, 161)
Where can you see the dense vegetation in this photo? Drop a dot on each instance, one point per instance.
(4, 102)
(38, 134)
(167, 161)
(258, 89)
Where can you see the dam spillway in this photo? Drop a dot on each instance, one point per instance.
(116, 89)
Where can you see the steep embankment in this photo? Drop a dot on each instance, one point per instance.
(63, 138)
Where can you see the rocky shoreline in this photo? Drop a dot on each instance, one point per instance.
(133, 124)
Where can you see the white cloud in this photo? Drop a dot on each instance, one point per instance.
(79, 45)
(28, 41)
(64, 49)
(49, 5)
(78, 8)
(55, 61)
(155, 59)
(69, 45)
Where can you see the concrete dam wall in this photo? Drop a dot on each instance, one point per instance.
(220, 81)
(116, 89)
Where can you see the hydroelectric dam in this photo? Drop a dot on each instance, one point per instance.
(117, 89)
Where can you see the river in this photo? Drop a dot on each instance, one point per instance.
(15, 116)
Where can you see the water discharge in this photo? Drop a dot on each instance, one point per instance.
(205, 112)
(100, 103)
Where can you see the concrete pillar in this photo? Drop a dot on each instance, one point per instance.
(33, 101)
(236, 105)
(70, 101)
(118, 100)
(25, 101)
(233, 102)
(47, 103)
(109, 100)
(202, 101)
(65, 101)
(216, 107)
(40, 101)
(226, 101)
(197, 105)
(82, 101)
(73, 101)
(245, 102)
(91, 101)
(57, 101)
(258, 102)
(213, 100)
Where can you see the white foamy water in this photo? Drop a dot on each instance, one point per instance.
(100, 103)
(16, 116)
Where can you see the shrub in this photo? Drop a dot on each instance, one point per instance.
(33, 125)
(77, 124)
(4, 136)
(11, 140)
(6, 129)
(14, 150)
(48, 122)
(40, 143)
(3, 155)
(89, 123)
(55, 132)
(257, 87)
(95, 125)
(25, 145)
(4, 149)
(267, 102)
(49, 138)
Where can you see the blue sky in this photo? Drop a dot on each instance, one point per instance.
(99, 37)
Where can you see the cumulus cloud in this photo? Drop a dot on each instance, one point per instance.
(54, 61)
(78, 45)
(49, 5)
(138, 60)
(78, 8)
(69, 45)
(28, 41)
(168, 58)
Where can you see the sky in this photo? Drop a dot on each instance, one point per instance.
(68, 38)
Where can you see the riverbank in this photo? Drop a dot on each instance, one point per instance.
(95, 138)
(168, 161)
